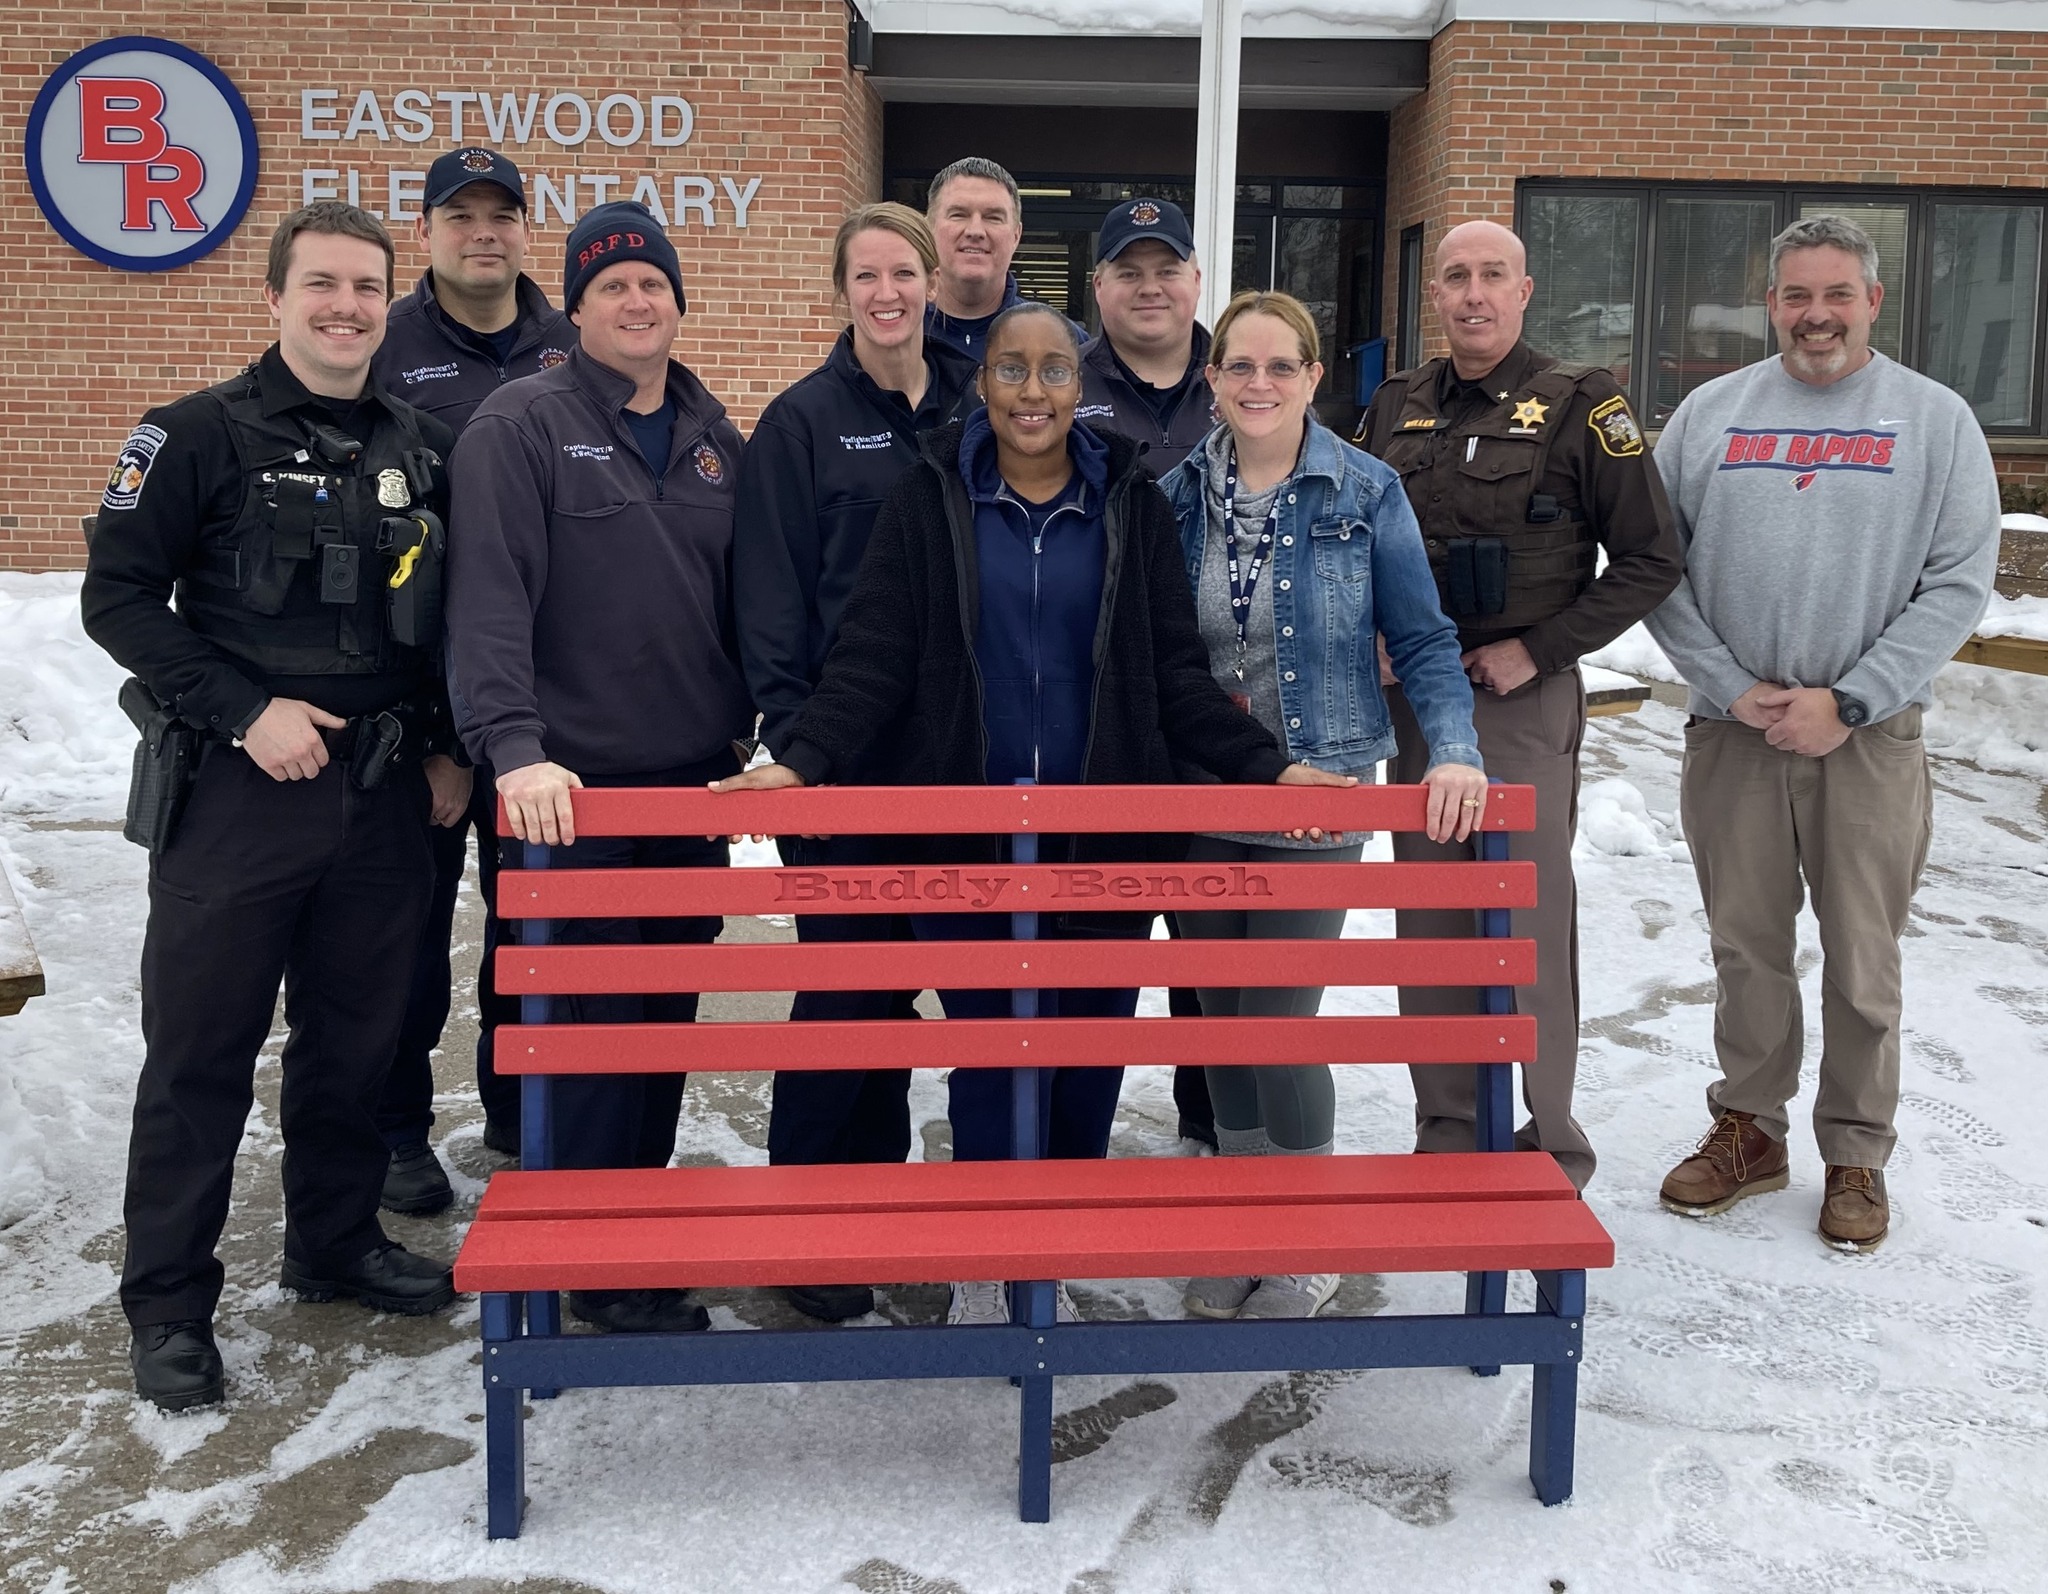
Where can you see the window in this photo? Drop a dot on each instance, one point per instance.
(1665, 284)
(1585, 248)
(1408, 342)
(1984, 288)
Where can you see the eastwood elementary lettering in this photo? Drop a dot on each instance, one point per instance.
(511, 122)
(915, 887)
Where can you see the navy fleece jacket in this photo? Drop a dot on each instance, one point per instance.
(1041, 594)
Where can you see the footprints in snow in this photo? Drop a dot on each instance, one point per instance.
(1419, 1496)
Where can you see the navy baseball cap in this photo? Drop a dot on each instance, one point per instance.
(459, 168)
(1141, 218)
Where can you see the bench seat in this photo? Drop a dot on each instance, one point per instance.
(921, 1223)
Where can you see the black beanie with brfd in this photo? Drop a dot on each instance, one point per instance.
(619, 231)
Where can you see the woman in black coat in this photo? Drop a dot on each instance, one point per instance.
(1023, 612)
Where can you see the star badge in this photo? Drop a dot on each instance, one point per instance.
(1531, 412)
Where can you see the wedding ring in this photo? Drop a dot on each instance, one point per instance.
(1471, 802)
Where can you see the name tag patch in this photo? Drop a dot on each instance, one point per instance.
(429, 373)
(596, 451)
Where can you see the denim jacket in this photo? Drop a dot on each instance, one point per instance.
(1347, 562)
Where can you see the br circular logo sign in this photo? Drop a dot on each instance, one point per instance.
(142, 154)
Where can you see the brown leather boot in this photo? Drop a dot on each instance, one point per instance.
(1855, 1213)
(1734, 1159)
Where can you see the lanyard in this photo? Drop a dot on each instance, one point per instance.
(1244, 582)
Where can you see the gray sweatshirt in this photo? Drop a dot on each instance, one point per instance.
(1841, 536)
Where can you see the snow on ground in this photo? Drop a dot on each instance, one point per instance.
(1757, 1413)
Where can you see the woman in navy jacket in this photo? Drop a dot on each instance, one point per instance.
(1023, 611)
(823, 456)
(1301, 551)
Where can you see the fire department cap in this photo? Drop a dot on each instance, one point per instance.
(473, 163)
(1143, 217)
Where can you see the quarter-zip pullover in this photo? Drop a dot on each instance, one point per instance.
(823, 456)
(436, 364)
(590, 601)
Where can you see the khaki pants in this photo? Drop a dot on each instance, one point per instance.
(1856, 824)
(1531, 737)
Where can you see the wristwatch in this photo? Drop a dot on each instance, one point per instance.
(1852, 711)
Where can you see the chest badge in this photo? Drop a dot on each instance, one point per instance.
(1530, 414)
(709, 466)
(392, 491)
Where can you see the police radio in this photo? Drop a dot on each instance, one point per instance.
(418, 545)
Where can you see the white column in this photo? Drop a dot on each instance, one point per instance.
(1215, 215)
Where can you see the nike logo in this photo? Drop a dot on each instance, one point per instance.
(1901, 421)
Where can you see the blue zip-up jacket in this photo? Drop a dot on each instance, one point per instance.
(823, 456)
(436, 364)
(1347, 562)
(1041, 598)
(968, 335)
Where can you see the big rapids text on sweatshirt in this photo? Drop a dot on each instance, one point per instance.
(1843, 536)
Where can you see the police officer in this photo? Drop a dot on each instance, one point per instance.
(475, 321)
(288, 512)
(1519, 467)
(1145, 376)
(591, 640)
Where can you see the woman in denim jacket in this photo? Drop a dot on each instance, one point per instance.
(1302, 550)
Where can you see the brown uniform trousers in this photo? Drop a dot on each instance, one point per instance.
(1530, 737)
(1856, 825)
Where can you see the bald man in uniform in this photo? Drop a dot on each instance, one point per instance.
(1520, 467)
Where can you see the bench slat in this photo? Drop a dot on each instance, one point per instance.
(673, 893)
(1002, 1186)
(747, 1047)
(983, 810)
(1005, 965)
(1074, 1243)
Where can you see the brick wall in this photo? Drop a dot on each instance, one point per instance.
(89, 348)
(1508, 101)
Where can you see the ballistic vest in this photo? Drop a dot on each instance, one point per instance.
(272, 588)
(1482, 477)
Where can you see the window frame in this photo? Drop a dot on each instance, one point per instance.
(1916, 287)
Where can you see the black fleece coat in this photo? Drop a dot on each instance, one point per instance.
(905, 652)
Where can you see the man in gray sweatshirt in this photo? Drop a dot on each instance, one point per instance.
(1840, 519)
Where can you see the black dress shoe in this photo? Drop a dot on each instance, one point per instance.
(501, 1138)
(639, 1311)
(176, 1364)
(415, 1183)
(832, 1303)
(390, 1278)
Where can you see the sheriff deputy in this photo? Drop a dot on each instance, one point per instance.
(1520, 468)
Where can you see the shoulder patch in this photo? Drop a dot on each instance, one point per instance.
(131, 468)
(1611, 422)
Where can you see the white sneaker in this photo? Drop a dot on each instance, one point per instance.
(1289, 1295)
(1218, 1297)
(978, 1305)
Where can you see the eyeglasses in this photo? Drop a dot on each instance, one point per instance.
(1012, 373)
(1278, 370)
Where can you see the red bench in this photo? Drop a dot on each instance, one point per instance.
(540, 1231)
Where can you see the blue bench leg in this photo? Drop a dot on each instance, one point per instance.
(1034, 1413)
(1554, 1399)
(1486, 1294)
(544, 1318)
(504, 1425)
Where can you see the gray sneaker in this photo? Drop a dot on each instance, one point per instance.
(1217, 1297)
(1290, 1295)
